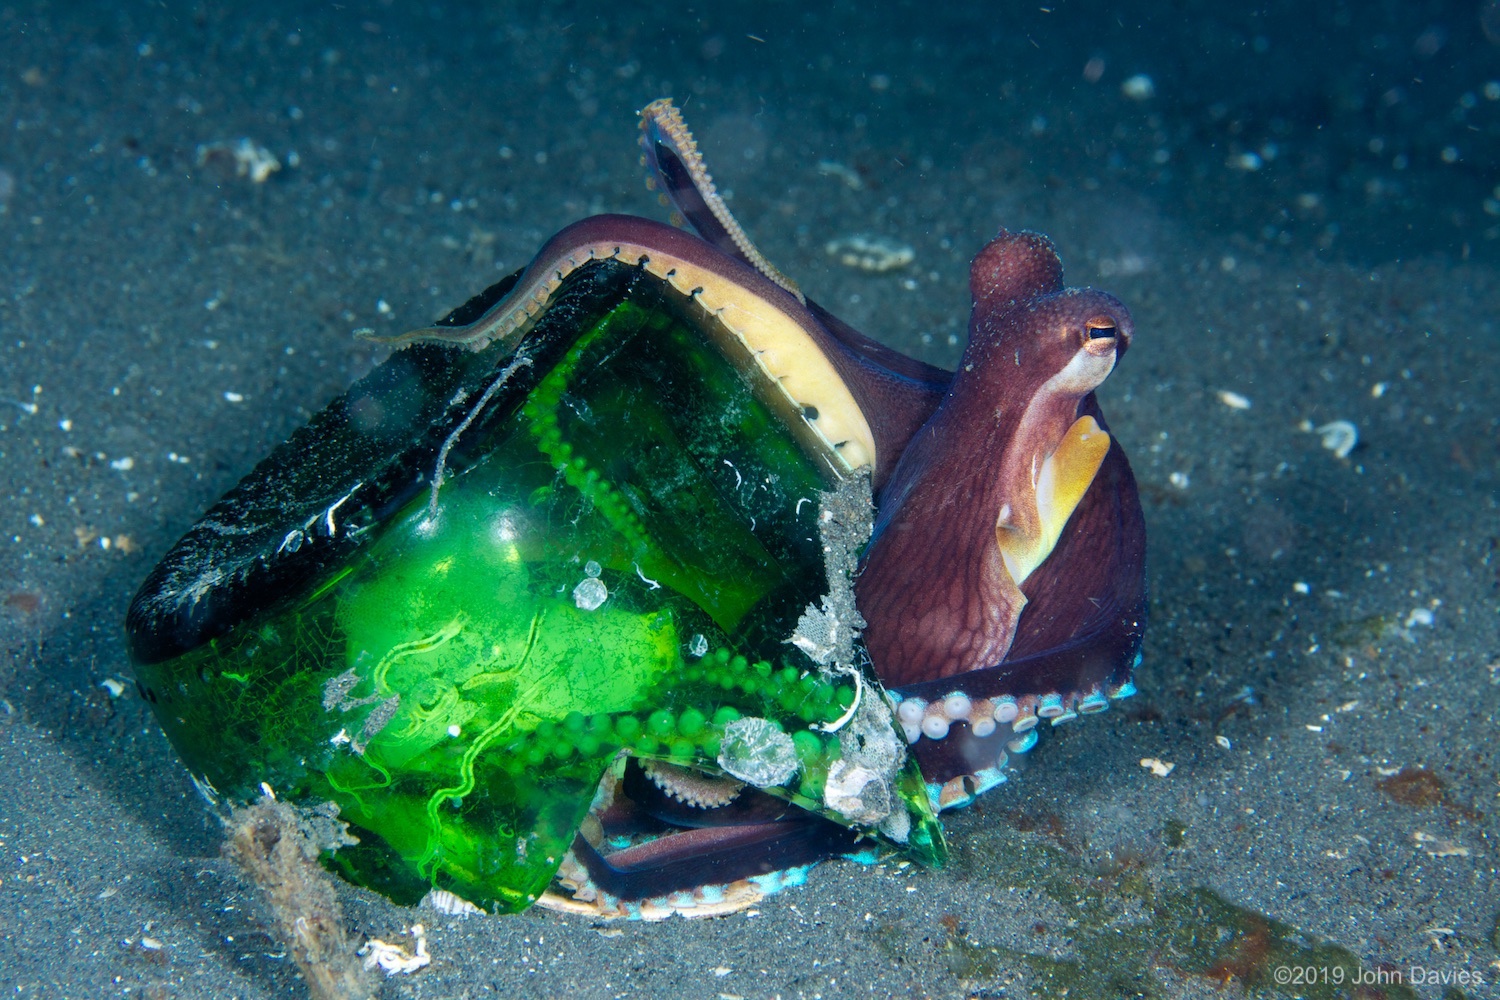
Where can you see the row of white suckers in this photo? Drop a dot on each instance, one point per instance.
(932, 719)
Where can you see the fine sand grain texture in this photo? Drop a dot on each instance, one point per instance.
(1297, 201)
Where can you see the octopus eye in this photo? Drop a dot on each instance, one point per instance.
(1101, 327)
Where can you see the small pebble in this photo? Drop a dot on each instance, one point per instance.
(1419, 616)
(1160, 768)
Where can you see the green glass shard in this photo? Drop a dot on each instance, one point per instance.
(617, 554)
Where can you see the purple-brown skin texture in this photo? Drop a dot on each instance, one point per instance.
(946, 444)
(942, 614)
(942, 611)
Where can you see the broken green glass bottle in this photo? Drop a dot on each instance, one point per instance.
(473, 586)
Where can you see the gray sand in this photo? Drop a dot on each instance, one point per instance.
(1297, 215)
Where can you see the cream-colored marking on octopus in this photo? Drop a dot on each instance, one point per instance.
(1063, 479)
(1032, 519)
(781, 348)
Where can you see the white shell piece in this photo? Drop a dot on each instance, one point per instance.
(449, 903)
(1339, 437)
(857, 793)
(590, 594)
(758, 753)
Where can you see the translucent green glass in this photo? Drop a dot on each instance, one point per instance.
(616, 565)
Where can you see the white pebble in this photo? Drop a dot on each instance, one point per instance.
(1233, 400)
(1419, 616)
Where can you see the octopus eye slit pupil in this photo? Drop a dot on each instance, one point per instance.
(1098, 330)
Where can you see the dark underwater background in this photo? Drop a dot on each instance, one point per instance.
(1300, 202)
